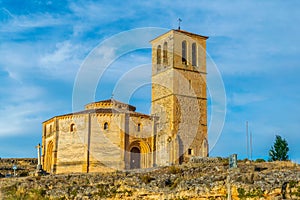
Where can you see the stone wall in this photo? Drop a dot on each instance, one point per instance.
(96, 142)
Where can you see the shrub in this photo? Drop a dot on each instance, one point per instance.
(23, 174)
(146, 178)
(259, 160)
(174, 170)
(242, 194)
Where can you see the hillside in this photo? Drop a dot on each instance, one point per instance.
(208, 179)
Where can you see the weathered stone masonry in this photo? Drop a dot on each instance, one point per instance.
(110, 135)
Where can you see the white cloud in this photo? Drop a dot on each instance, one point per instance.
(99, 12)
(18, 60)
(20, 23)
(62, 52)
(63, 61)
(37, 20)
(24, 107)
(29, 60)
(20, 119)
(242, 99)
(20, 93)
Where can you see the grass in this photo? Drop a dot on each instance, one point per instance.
(146, 178)
(243, 194)
(14, 192)
(174, 169)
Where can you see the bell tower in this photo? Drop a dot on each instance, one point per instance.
(179, 99)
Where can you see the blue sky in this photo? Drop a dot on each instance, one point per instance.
(255, 45)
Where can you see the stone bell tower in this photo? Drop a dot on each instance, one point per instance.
(179, 97)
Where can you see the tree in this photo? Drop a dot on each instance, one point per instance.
(279, 151)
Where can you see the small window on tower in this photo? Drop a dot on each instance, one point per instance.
(105, 126)
(184, 53)
(158, 56)
(139, 127)
(50, 129)
(72, 127)
(190, 151)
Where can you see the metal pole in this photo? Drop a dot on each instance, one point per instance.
(247, 143)
(251, 145)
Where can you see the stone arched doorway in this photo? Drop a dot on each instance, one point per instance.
(49, 159)
(140, 155)
(135, 158)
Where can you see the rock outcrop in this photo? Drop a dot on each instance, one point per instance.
(204, 180)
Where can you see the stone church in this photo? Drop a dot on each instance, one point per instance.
(109, 135)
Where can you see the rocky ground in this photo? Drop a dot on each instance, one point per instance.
(24, 166)
(205, 179)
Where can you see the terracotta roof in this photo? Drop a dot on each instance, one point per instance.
(112, 101)
(102, 110)
(180, 31)
(189, 33)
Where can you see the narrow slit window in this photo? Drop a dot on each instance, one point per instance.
(184, 53)
(139, 127)
(194, 54)
(105, 126)
(72, 127)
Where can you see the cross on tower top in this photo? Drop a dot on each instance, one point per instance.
(179, 20)
(38, 146)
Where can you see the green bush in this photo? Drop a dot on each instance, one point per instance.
(23, 174)
(242, 194)
(259, 160)
(146, 178)
(174, 170)
(293, 183)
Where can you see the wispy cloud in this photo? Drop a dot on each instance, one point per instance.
(240, 99)
(63, 61)
(20, 119)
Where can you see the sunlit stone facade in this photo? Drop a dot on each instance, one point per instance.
(109, 135)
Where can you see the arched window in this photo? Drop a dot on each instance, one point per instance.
(72, 127)
(105, 126)
(194, 54)
(139, 127)
(165, 53)
(158, 56)
(183, 53)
